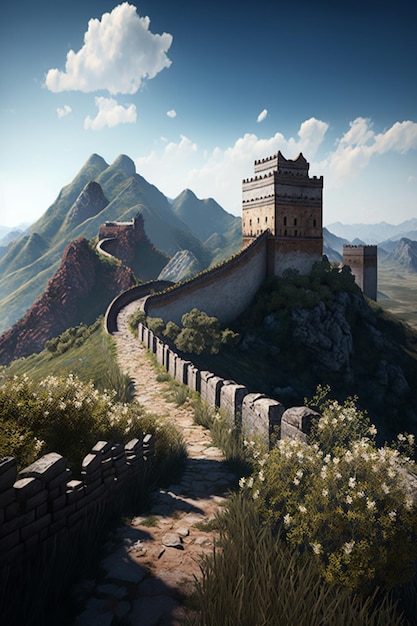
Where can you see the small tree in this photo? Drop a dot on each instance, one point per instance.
(200, 333)
(156, 325)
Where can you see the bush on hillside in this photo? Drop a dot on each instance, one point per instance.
(342, 500)
(67, 416)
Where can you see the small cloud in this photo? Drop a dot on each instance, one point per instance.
(118, 54)
(262, 115)
(411, 180)
(64, 111)
(172, 113)
(110, 114)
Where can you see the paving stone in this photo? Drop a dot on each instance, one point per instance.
(119, 566)
(172, 540)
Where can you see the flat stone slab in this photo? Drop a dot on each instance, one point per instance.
(172, 540)
(119, 566)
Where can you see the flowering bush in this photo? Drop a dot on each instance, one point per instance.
(61, 415)
(342, 500)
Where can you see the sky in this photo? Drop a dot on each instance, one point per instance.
(195, 92)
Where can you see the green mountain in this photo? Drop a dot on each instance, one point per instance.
(99, 193)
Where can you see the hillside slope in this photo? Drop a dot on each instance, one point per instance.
(79, 291)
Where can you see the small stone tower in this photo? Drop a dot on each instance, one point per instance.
(363, 261)
(283, 199)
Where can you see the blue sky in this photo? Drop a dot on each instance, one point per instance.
(195, 92)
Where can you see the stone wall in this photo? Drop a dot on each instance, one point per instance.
(255, 414)
(42, 499)
(224, 291)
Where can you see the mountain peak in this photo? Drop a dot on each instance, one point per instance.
(126, 164)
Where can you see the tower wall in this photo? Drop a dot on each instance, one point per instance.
(363, 262)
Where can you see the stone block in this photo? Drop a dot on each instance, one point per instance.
(46, 468)
(261, 416)
(181, 370)
(172, 363)
(60, 481)
(7, 497)
(134, 446)
(9, 541)
(102, 449)
(90, 464)
(11, 511)
(194, 378)
(205, 376)
(296, 422)
(214, 384)
(36, 526)
(8, 472)
(231, 398)
(26, 488)
(58, 503)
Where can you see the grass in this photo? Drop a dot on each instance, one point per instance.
(94, 360)
(397, 292)
(252, 578)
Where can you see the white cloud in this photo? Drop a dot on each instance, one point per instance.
(359, 144)
(110, 113)
(64, 111)
(262, 115)
(219, 174)
(118, 54)
(172, 113)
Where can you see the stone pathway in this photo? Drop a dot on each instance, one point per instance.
(150, 563)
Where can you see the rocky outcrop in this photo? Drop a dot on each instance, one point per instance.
(183, 265)
(78, 292)
(90, 202)
(326, 333)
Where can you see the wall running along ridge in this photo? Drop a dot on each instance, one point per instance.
(42, 499)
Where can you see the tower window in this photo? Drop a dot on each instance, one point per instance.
(258, 220)
(266, 219)
(295, 221)
(295, 233)
(285, 221)
(250, 222)
(285, 232)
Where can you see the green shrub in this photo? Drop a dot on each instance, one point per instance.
(171, 331)
(138, 317)
(156, 325)
(342, 500)
(61, 415)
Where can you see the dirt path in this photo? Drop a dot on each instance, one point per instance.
(149, 568)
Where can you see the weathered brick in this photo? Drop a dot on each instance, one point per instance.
(17, 522)
(11, 511)
(7, 542)
(8, 472)
(90, 464)
(7, 497)
(36, 527)
(101, 448)
(46, 468)
(58, 503)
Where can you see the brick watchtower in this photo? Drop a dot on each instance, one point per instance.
(363, 262)
(282, 199)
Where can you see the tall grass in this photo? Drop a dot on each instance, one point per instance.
(253, 578)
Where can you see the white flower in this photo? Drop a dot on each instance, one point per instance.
(325, 493)
(349, 499)
(255, 494)
(242, 482)
(372, 430)
(385, 488)
(287, 519)
(348, 546)
(352, 482)
(370, 504)
(296, 481)
(299, 473)
(302, 508)
(392, 515)
(360, 494)
(261, 476)
(250, 482)
(316, 548)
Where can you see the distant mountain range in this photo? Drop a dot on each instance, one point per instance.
(375, 233)
(101, 192)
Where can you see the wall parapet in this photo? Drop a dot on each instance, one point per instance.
(43, 499)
